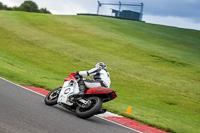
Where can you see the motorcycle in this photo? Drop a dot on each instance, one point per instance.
(84, 107)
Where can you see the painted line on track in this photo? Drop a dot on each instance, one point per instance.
(108, 116)
(22, 87)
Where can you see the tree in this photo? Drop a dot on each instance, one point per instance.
(44, 10)
(3, 7)
(15, 8)
(29, 6)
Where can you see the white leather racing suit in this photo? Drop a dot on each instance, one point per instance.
(101, 78)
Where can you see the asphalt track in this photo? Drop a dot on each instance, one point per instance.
(22, 111)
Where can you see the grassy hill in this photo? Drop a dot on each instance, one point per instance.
(155, 69)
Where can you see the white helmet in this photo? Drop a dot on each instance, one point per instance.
(101, 65)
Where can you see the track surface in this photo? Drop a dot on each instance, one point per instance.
(22, 111)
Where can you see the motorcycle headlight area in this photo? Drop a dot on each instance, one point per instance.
(67, 90)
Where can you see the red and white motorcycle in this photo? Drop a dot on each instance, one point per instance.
(84, 107)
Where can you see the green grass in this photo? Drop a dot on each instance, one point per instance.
(155, 69)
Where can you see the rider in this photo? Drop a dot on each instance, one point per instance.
(101, 78)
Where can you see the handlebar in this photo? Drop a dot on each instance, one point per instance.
(76, 76)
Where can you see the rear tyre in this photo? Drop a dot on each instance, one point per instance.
(52, 97)
(95, 107)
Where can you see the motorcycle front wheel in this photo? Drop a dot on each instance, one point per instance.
(94, 108)
(52, 97)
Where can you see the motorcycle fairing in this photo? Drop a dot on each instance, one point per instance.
(71, 76)
(106, 94)
(69, 88)
(98, 90)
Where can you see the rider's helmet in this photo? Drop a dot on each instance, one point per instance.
(101, 65)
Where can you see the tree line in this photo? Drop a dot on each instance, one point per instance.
(28, 6)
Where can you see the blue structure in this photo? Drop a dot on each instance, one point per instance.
(125, 14)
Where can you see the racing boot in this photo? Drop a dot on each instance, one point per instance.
(81, 85)
(82, 91)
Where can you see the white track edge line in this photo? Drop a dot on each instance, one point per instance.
(95, 115)
(22, 87)
(119, 124)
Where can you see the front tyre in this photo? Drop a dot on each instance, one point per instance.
(52, 97)
(94, 108)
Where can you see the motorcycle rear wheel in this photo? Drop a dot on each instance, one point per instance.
(52, 97)
(92, 110)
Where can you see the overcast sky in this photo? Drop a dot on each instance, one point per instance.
(178, 13)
